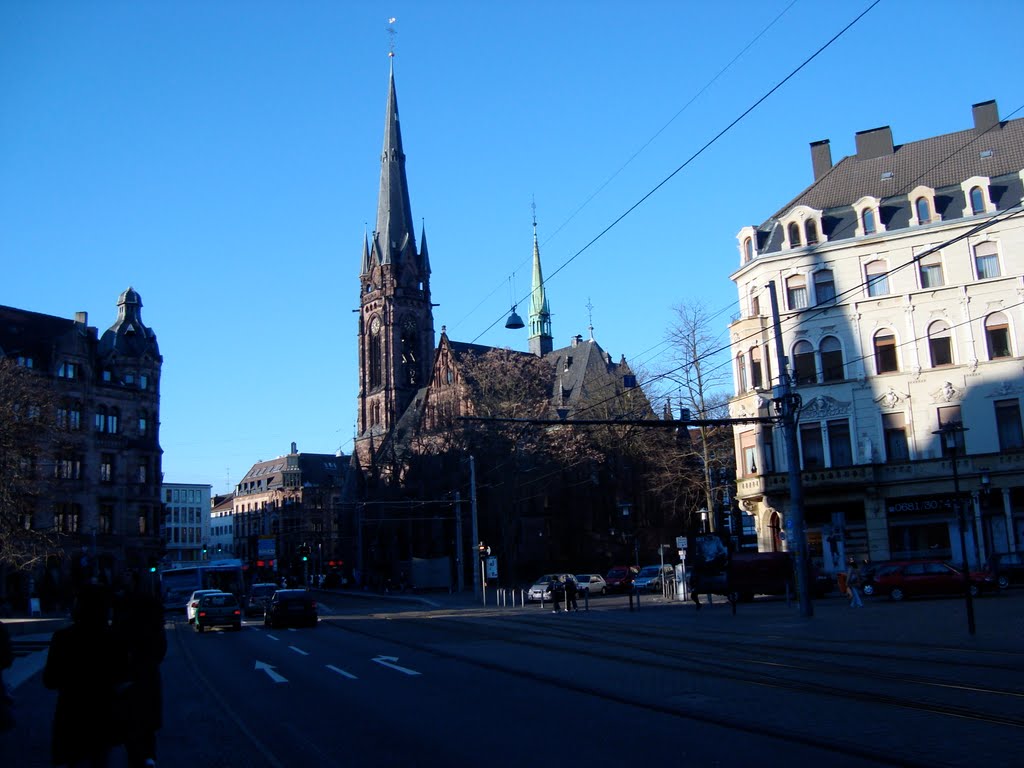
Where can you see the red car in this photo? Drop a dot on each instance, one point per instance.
(620, 578)
(912, 578)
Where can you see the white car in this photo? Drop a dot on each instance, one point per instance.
(593, 583)
(193, 603)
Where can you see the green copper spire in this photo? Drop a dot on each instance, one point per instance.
(540, 312)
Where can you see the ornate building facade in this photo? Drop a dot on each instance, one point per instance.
(899, 276)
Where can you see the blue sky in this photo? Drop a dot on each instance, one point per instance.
(223, 159)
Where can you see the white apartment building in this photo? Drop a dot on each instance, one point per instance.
(900, 280)
(186, 528)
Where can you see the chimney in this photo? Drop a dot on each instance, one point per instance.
(82, 318)
(986, 116)
(821, 158)
(876, 142)
(294, 449)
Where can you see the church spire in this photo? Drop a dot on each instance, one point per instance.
(394, 233)
(540, 313)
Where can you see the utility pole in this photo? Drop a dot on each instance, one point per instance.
(459, 575)
(476, 528)
(788, 405)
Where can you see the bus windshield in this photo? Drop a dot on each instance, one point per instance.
(178, 584)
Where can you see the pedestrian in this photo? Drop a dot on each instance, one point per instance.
(557, 593)
(853, 584)
(571, 589)
(85, 666)
(139, 628)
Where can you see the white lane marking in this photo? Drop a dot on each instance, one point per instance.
(270, 672)
(298, 650)
(292, 629)
(341, 672)
(389, 661)
(277, 639)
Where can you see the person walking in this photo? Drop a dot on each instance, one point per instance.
(139, 627)
(571, 589)
(853, 583)
(85, 666)
(557, 593)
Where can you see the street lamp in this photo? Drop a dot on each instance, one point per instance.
(951, 433)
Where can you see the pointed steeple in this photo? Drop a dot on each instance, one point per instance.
(424, 259)
(541, 341)
(367, 265)
(394, 233)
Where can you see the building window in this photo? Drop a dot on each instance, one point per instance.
(949, 416)
(940, 344)
(101, 418)
(867, 220)
(877, 278)
(796, 292)
(67, 370)
(1011, 436)
(924, 211)
(977, 200)
(824, 286)
(756, 374)
(67, 518)
(755, 304)
(143, 471)
(25, 362)
(930, 270)
(894, 425)
(741, 373)
(68, 468)
(794, 235)
(986, 260)
(113, 421)
(885, 353)
(107, 374)
(107, 468)
(143, 381)
(803, 363)
(840, 450)
(106, 518)
(74, 417)
(997, 336)
(376, 361)
(811, 446)
(831, 359)
(142, 423)
(811, 231)
(142, 522)
(748, 249)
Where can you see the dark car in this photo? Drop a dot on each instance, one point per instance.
(913, 578)
(1007, 568)
(867, 575)
(258, 597)
(620, 578)
(218, 609)
(291, 607)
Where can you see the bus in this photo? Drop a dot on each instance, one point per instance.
(178, 584)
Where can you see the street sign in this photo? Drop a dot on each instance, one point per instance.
(492, 567)
(266, 547)
(680, 542)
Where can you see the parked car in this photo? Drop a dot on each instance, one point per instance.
(193, 603)
(1007, 568)
(912, 578)
(867, 575)
(653, 577)
(291, 607)
(592, 583)
(218, 609)
(258, 597)
(541, 589)
(620, 578)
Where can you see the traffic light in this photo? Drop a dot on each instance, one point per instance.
(152, 565)
(304, 552)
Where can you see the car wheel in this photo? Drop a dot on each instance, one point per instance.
(869, 589)
(1004, 582)
(604, 590)
(896, 594)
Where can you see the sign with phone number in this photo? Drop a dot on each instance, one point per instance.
(919, 504)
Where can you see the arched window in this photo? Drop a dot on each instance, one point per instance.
(831, 359)
(824, 286)
(748, 250)
(924, 210)
(997, 336)
(877, 274)
(741, 374)
(796, 292)
(885, 352)
(867, 220)
(803, 363)
(977, 200)
(794, 235)
(940, 344)
(756, 373)
(811, 231)
(376, 367)
(755, 302)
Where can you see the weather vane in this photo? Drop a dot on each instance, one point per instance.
(391, 37)
(590, 317)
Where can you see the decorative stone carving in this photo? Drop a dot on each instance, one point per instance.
(892, 398)
(823, 406)
(1006, 389)
(947, 393)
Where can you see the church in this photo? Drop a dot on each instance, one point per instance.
(415, 397)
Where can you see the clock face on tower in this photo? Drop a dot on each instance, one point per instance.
(375, 326)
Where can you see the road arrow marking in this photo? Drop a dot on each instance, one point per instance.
(389, 661)
(342, 672)
(270, 672)
(298, 650)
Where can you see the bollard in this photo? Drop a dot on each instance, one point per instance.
(586, 600)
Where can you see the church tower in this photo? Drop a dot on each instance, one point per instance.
(541, 341)
(396, 322)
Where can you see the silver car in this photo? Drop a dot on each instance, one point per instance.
(592, 583)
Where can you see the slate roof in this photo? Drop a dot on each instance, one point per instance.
(31, 334)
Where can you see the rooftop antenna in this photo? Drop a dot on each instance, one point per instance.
(590, 318)
(391, 37)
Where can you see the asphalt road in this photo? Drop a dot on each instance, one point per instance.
(381, 683)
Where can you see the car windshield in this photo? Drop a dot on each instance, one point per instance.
(583, 578)
(261, 590)
(650, 570)
(616, 573)
(543, 581)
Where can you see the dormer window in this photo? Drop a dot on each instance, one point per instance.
(811, 232)
(977, 201)
(923, 210)
(794, 235)
(748, 249)
(867, 220)
(976, 196)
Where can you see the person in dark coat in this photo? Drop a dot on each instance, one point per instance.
(84, 665)
(570, 593)
(139, 626)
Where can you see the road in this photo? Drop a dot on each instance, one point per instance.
(385, 684)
